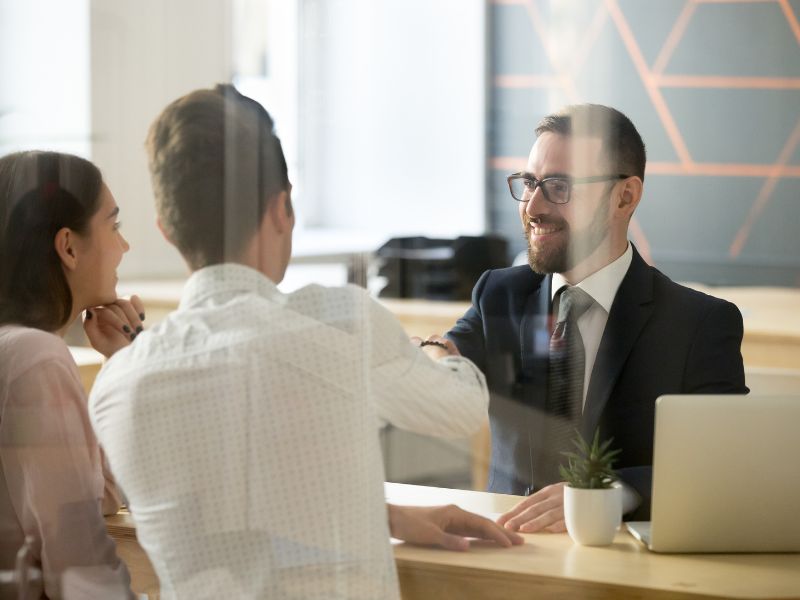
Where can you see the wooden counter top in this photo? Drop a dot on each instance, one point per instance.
(552, 566)
(546, 566)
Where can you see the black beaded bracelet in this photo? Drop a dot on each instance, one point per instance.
(431, 343)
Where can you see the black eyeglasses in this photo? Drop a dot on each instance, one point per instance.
(557, 190)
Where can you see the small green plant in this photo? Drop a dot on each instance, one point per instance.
(590, 467)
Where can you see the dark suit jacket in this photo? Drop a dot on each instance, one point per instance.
(661, 338)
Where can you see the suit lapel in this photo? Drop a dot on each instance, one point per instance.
(630, 311)
(534, 330)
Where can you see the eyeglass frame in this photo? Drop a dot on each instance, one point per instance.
(570, 180)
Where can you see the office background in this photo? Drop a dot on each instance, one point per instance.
(403, 117)
(714, 89)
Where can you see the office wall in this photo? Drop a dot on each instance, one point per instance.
(393, 115)
(391, 110)
(144, 54)
(714, 88)
(44, 76)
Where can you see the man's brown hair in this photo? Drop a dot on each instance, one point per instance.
(622, 143)
(215, 163)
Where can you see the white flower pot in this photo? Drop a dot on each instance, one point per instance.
(593, 516)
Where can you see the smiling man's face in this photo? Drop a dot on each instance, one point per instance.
(561, 236)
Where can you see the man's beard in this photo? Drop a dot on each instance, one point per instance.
(573, 249)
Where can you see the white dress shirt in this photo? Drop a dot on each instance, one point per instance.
(244, 431)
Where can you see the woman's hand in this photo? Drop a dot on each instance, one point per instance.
(114, 326)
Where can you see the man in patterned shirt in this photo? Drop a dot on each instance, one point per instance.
(244, 428)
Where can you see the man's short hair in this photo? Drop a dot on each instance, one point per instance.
(215, 163)
(622, 143)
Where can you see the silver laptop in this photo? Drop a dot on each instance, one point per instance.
(726, 475)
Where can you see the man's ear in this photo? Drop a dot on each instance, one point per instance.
(630, 194)
(163, 231)
(64, 244)
(281, 212)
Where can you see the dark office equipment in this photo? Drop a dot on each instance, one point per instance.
(438, 269)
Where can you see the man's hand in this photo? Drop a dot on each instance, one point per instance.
(444, 526)
(542, 511)
(436, 347)
(113, 326)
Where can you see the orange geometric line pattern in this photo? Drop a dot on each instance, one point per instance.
(508, 163)
(723, 82)
(765, 193)
(721, 169)
(538, 25)
(790, 18)
(653, 81)
(644, 73)
(674, 37)
(589, 38)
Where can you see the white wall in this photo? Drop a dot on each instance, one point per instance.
(391, 110)
(44, 75)
(146, 53)
(393, 100)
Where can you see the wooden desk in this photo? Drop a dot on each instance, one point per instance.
(143, 578)
(425, 317)
(547, 566)
(551, 566)
(771, 324)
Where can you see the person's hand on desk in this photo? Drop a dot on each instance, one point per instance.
(445, 526)
(113, 326)
(436, 346)
(542, 511)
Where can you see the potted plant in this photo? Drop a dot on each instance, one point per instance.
(592, 498)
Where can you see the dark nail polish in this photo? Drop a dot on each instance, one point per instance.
(126, 329)
(88, 314)
(141, 316)
(139, 330)
(133, 336)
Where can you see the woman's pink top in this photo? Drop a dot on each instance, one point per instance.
(54, 485)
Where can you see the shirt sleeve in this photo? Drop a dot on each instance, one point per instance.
(52, 465)
(445, 398)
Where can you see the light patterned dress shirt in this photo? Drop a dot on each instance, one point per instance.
(53, 481)
(244, 431)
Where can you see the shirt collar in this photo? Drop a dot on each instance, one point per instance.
(227, 279)
(602, 285)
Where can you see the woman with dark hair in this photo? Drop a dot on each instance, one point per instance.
(60, 246)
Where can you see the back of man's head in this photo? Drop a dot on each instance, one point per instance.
(622, 144)
(215, 163)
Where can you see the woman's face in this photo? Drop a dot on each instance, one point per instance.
(100, 252)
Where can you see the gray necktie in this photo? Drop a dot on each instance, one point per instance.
(564, 380)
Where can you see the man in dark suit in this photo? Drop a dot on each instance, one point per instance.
(587, 335)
